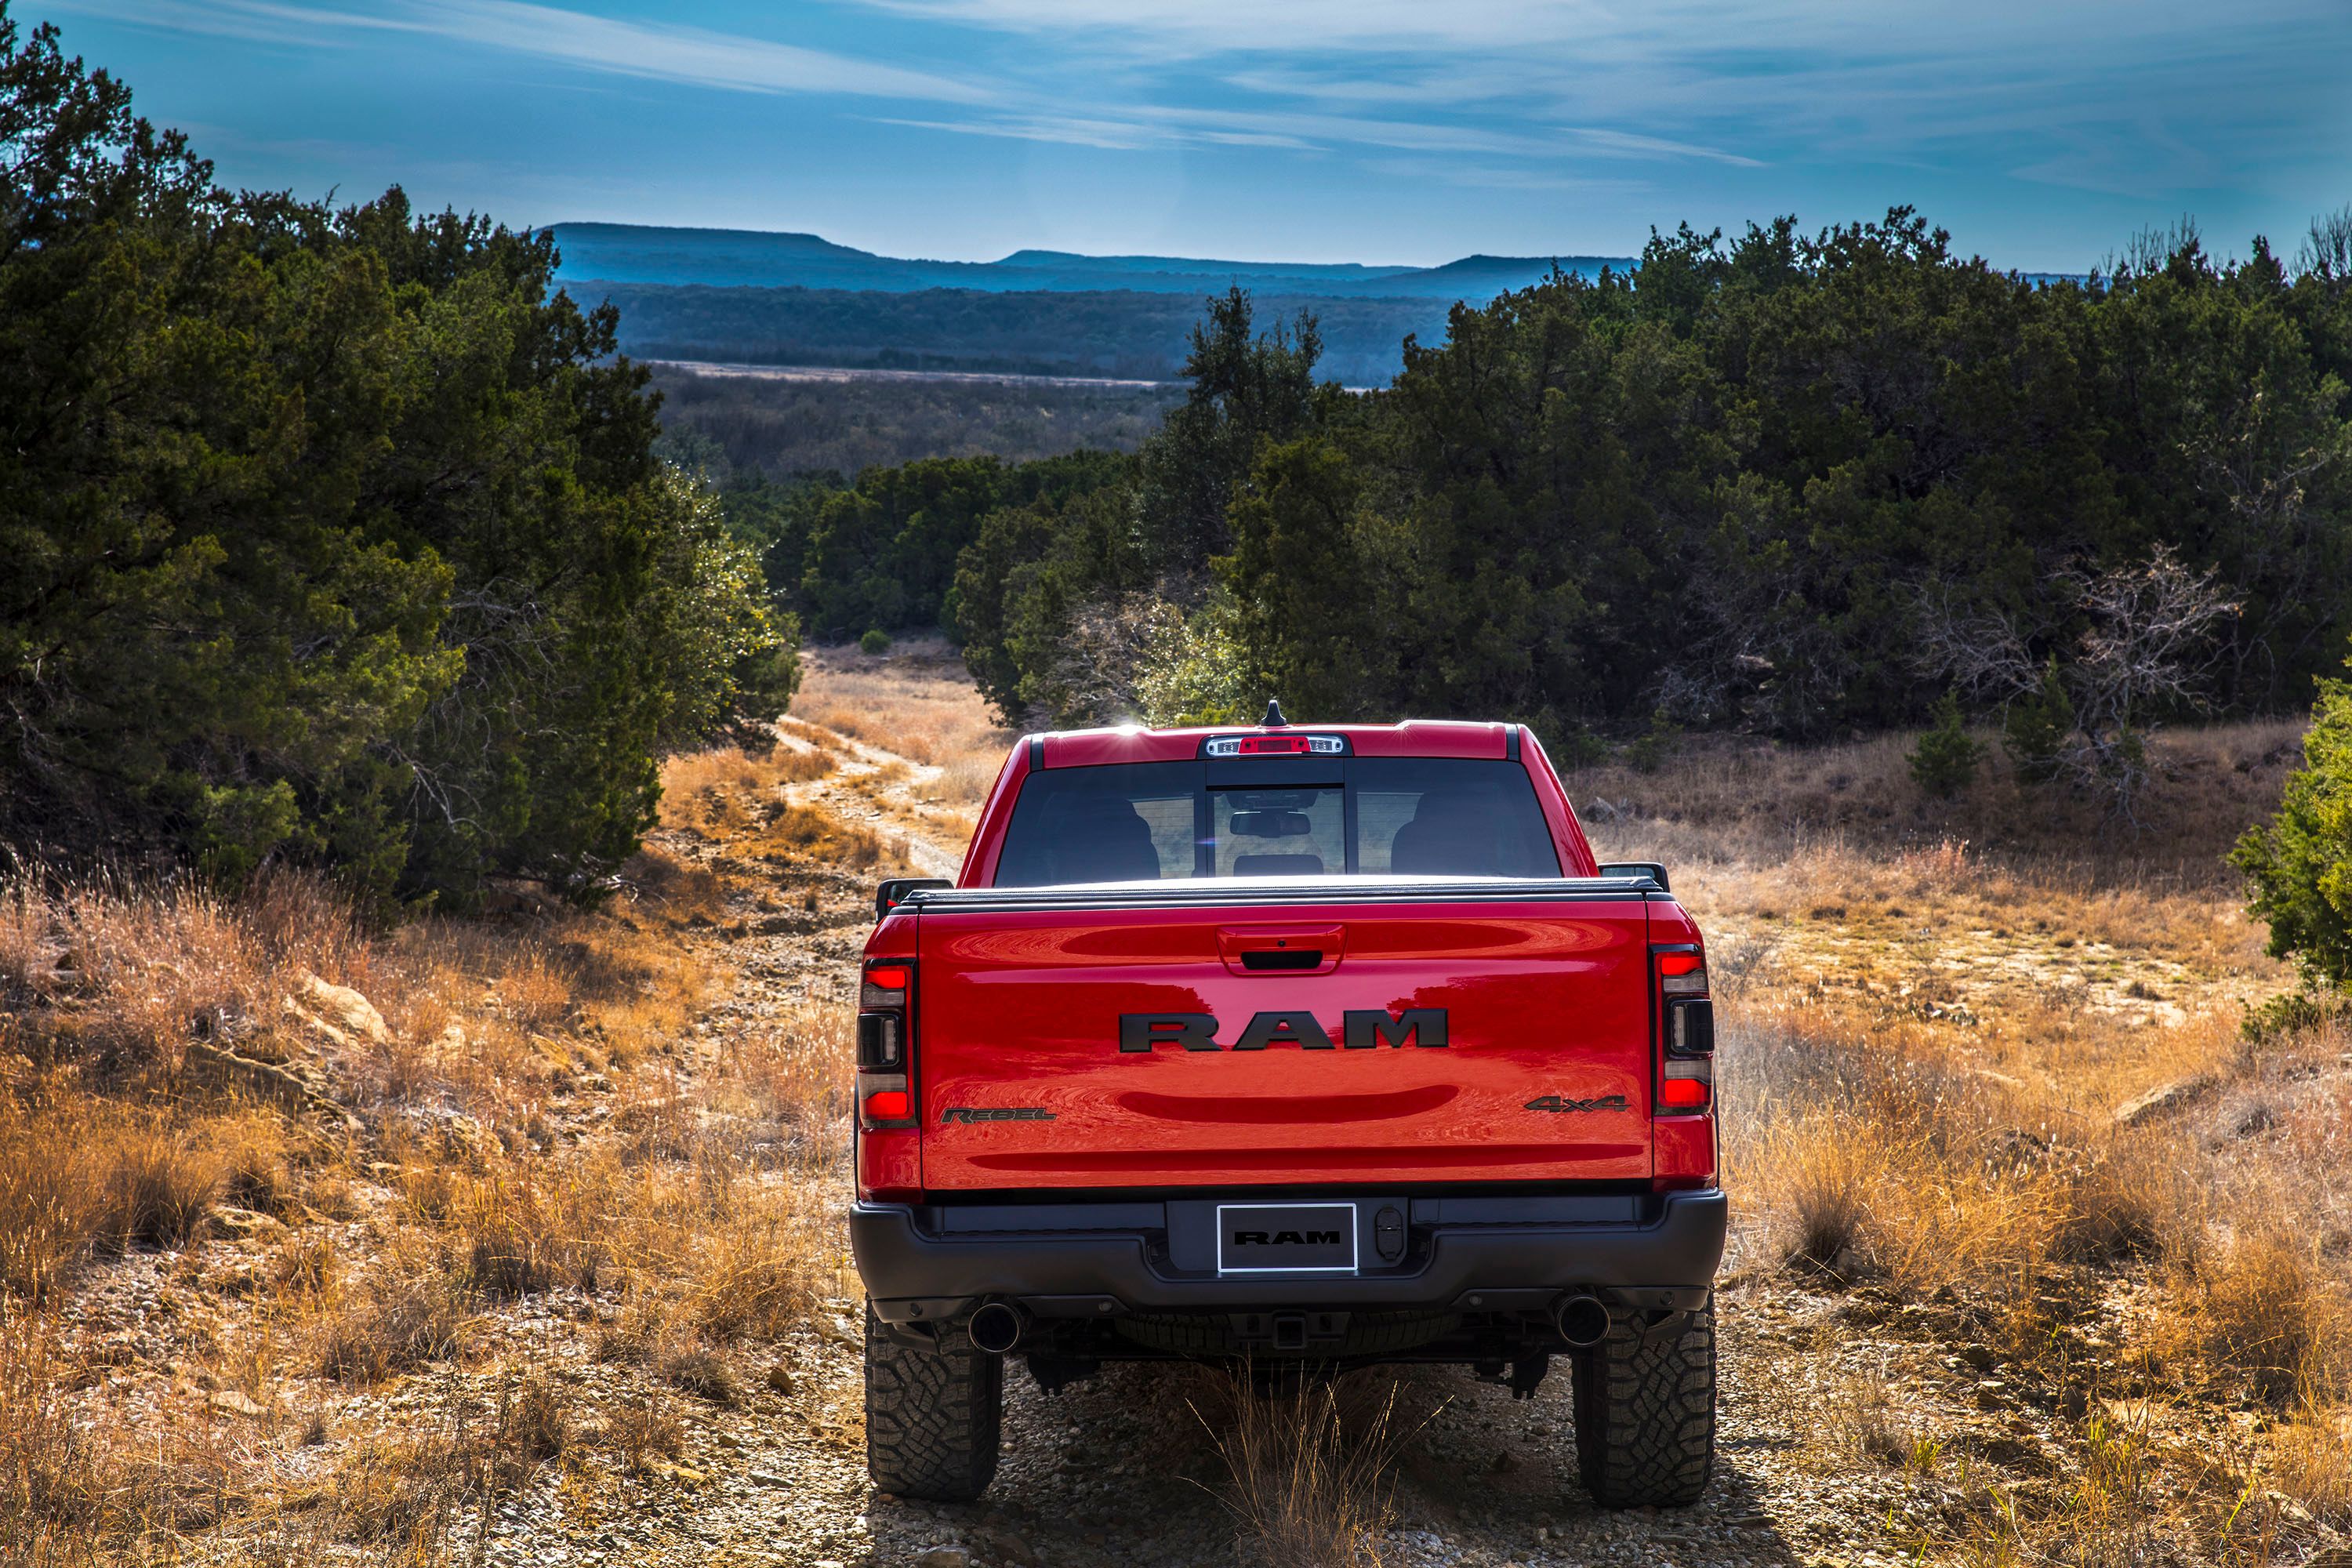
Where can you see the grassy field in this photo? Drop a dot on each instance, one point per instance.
(1987, 1082)
(316, 1241)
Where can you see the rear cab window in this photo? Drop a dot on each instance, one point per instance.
(1404, 816)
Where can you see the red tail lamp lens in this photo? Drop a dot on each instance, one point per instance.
(1682, 1093)
(889, 978)
(1680, 963)
(890, 1105)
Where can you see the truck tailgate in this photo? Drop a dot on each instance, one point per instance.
(1070, 1047)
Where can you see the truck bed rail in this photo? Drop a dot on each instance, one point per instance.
(1261, 892)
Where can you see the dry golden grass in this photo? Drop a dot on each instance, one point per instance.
(1730, 798)
(418, 1174)
(1860, 1416)
(408, 1312)
(2312, 1460)
(806, 832)
(80, 1176)
(52, 1488)
(2266, 1309)
(525, 1229)
(720, 792)
(1311, 1466)
(741, 801)
(1935, 1016)
(789, 1078)
(916, 701)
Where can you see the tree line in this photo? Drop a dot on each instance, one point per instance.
(1798, 485)
(731, 426)
(1124, 333)
(330, 534)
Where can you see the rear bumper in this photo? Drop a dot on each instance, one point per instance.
(1099, 1259)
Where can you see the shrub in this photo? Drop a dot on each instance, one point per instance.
(2265, 1308)
(2036, 729)
(409, 1314)
(704, 1374)
(2295, 1013)
(1945, 761)
(1824, 1180)
(1194, 671)
(2300, 865)
(1656, 745)
(159, 1191)
(875, 641)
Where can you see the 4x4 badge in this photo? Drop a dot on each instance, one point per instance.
(1555, 1103)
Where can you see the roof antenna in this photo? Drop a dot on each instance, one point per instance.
(1273, 719)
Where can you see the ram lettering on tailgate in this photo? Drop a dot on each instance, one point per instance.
(1362, 1029)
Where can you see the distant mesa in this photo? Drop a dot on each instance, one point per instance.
(722, 257)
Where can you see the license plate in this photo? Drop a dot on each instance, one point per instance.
(1286, 1238)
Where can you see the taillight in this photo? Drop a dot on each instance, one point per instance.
(1686, 1031)
(886, 994)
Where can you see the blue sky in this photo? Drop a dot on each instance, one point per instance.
(2042, 135)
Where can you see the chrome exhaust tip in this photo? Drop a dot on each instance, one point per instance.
(996, 1326)
(1581, 1319)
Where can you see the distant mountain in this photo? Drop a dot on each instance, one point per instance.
(722, 257)
(748, 297)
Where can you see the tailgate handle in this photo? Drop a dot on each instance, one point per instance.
(1281, 949)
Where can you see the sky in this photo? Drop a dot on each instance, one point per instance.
(2042, 133)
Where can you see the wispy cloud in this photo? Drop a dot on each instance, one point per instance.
(657, 50)
(1111, 134)
(1137, 125)
(1753, 83)
(1602, 30)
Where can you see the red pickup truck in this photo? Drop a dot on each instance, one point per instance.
(1325, 1045)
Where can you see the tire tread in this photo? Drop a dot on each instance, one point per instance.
(1645, 1415)
(934, 1417)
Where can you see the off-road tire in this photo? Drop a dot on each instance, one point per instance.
(932, 1415)
(1645, 1415)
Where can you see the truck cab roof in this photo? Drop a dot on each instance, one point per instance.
(1411, 738)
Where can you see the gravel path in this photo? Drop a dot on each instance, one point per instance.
(1123, 1469)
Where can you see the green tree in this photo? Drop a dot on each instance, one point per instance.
(2037, 728)
(2299, 867)
(330, 534)
(1247, 388)
(1195, 671)
(1945, 761)
(199, 640)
